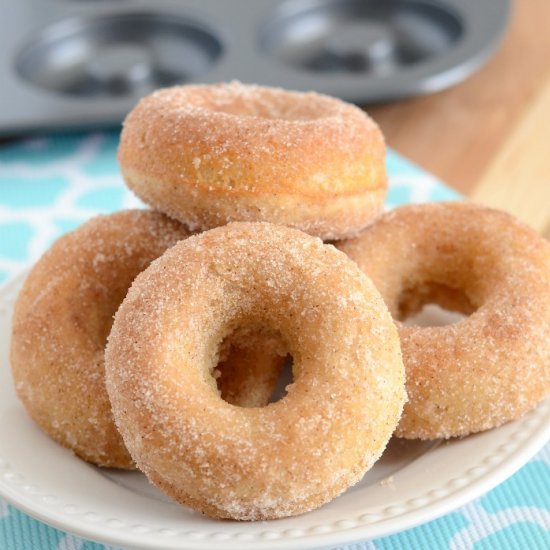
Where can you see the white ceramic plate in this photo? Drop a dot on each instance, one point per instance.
(413, 483)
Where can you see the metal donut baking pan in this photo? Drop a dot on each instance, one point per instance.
(84, 63)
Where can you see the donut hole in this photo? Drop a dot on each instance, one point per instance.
(285, 379)
(253, 368)
(433, 304)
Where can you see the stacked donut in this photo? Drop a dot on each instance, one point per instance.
(179, 384)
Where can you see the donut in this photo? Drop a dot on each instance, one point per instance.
(490, 367)
(211, 154)
(254, 463)
(63, 315)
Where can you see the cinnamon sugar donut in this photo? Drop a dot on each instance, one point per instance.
(208, 155)
(256, 463)
(492, 366)
(61, 321)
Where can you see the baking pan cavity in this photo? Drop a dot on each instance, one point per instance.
(359, 36)
(117, 55)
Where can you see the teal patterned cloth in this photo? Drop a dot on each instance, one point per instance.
(51, 185)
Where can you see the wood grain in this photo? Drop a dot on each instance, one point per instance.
(518, 178)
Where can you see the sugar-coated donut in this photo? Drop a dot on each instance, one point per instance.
(254, 463)
(490, 367)
(62, 317)
(207, 155)
(61, 321)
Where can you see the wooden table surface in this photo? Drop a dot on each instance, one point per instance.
(489, 137)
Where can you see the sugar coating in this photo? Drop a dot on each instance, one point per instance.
(62, 317)
(211, 154)
(64, 313)
(493, 366)
(254, 463)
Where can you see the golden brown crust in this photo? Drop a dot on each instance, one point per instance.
(62, 317)
(254, 463)
(207, 155)
(491, 367)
